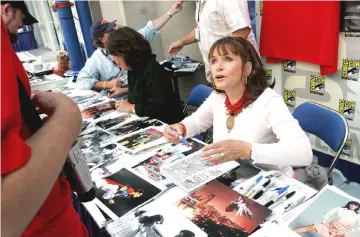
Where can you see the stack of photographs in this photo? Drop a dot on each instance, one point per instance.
(220, 211)
(167, 154)
(141, 140)
(117, 120)
(122, 192)
(86, 98)
(99, 110)
(192, 172)
(135, 125)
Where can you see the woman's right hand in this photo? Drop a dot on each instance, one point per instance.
(171, 132)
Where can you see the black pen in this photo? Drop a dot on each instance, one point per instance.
(256, 190)
(281, 200)
(261, 192)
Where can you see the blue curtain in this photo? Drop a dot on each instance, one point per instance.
(252, 13)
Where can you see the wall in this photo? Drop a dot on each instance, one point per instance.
(336, 89)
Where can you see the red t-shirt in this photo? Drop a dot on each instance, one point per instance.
(56, 217)
(305, 31)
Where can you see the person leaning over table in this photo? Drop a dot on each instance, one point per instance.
(100, 72)
(250, 121)
(150, 87)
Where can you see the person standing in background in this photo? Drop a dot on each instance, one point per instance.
(217, 19)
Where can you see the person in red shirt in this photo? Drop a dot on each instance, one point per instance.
(35, 201)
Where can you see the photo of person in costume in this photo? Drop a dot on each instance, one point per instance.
(338, 222)
(123, 191)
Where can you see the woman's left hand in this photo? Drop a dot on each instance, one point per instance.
(124, 106)
(226, 150)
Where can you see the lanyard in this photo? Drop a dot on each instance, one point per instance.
(198, 7)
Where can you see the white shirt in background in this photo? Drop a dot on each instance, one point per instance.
(217, 19)
(277, 140)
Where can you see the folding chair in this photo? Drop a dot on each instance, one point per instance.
(325, 123)
(196, 97)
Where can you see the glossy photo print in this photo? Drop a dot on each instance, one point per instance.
(220, 211)
(332, 213)
(123, 191)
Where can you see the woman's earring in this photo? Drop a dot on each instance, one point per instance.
(246, 80)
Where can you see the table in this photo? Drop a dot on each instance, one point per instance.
(26, 41)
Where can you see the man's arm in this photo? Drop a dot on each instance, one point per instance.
(242, 33)
(179, 44)
(25, 190)
(162, 20)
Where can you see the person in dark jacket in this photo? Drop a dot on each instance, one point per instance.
(150, 87)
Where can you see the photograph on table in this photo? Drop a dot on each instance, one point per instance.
(155, 220)
(107, 123)
(101, 153)
(86, 98)
(220, 211)
(93, 136)
(332, 213)
(237, 176)
(134, 126)
(140, 140)
(274, 230)
(98, 110)
(167, 154)
(123, 191)
(192, 172)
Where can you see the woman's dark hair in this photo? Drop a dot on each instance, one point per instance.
(129, 44)
(256, 82)
(347, 206)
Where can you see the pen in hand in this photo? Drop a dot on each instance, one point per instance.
(182, 139)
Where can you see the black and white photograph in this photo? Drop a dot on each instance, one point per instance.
(99, 154)
(111, 122)
(135, 125)
(123, 191)
(93, 136)
(155, 220)
(141, 140)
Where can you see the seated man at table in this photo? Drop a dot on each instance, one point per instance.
(150, 88)
(100, 72)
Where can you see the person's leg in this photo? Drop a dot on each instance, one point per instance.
(305, 229)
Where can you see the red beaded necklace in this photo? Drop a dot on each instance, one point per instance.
(234, 109)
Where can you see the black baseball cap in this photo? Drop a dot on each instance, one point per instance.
(100, 27)
(29, 19)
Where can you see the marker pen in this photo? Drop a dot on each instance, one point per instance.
(294, 203)
(283, 199)
(276, 196)
(261, 192)
(255, 182)
(256, 189)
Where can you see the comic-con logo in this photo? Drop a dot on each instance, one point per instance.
(347, 147)
(269, 78)
(317, 85)
(350, 69)
(352, 34)
(290, 97)
(289, 66)
(347, 108)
